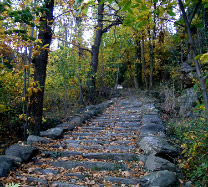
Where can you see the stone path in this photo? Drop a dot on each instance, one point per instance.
(105, 151)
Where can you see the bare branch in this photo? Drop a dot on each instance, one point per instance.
(82, 48)
(117, 22)
(172, 21)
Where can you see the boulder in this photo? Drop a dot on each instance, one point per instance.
(157, 146)
(158, 179)
(152, 129)
(77, 120)
(37, 139)
(54, 133)
(6, 165)
(187, 101)
(154, 163)
(149, 118)
(21, 153)
(66, 126)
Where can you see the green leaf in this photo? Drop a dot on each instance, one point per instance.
(171, 13)
(130, 11)
(155, 1)
(102, 1)
(127, 5)
(110, 1)
(86, 9)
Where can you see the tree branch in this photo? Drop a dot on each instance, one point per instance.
(82, 48)
(117, 22)
(194, 11)
(172, 21)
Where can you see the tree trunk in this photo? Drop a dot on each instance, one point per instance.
(118, 68)
(143, 64)
(151, 45)
(39, 63)
(193, 50)
(102, 68)
(91, 88)
(79, 34)
(136, 62)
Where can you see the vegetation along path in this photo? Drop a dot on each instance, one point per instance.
(124, 146)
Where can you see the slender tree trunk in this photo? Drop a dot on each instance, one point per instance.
(136, 62)
(205, 28)
(65, 100)
(118, 69)
(151, 45)
(40, 63)
(91, 87)
(181, 53)
(102, 68)
(151, 59)
(143, 64)
(197, 66)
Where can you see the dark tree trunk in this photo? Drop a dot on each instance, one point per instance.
(136, 62)
(91, 89)
(39, 63)
(151, 45)
(143, 64)
(194, 52)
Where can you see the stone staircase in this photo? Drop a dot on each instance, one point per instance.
(104, 151)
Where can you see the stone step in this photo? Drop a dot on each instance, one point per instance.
(109, 128)
(120, 180)
(122, 148)
(64, 184)
(90, 165)
(103, 134)
(101, 142)
(112, 156)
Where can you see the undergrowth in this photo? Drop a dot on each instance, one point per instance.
(192, 136)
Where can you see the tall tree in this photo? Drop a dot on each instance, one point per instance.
(39, 62)
(91, 87)
(187, 22)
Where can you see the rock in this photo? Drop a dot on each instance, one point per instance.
(46, 171)
(186, 68)
(36, 139)
(92, 165)
(158, 179)
(37, 181)
(66, 126)
(52, 154)
(152, 129)
(112, 156)
(77, 120)
(6, 165)
(21, 153)
(78, 175)
(154, 163)
(187, 75)
(54, 133)
(149, 118)
(157, 146)
(120, 180)
(187, 101)
(188, 184)
(64, 184)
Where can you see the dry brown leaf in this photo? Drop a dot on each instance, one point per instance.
(50, 176)
(30, 170)
(138, 185)
(141, 163)
(126, 174)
